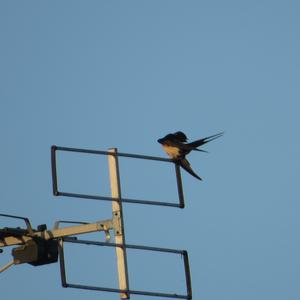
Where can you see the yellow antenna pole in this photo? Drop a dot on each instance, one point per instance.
(117, 217)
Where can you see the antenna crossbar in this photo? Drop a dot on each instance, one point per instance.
(183, 253)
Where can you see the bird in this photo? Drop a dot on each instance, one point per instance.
(177, 147)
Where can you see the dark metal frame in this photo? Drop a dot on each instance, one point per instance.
(26, 220)
(56, 192)
(184, 254)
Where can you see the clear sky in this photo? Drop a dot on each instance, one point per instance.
(101, 74)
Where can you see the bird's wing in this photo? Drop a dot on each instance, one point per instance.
(180, 136)
(186, 165)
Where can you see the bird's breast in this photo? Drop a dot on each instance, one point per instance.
(173, 152)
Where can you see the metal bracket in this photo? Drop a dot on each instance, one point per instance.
(117, 222)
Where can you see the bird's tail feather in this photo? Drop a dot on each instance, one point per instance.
(205, 140)
(186, 165)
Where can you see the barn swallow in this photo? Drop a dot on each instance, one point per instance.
(177, 147)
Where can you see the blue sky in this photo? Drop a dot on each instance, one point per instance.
(101, 74)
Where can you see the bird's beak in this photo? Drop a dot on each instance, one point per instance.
(159, 141)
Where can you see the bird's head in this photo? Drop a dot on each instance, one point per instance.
(166, 138)
(178, 136)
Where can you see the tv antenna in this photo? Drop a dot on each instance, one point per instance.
(43, 246)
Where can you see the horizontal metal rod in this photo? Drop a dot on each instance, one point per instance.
(68, 222)
(128, 246)
(133, 292)
(26, 220)
(89, 151)
(158, 294)
(13, 216)
(127, 200)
